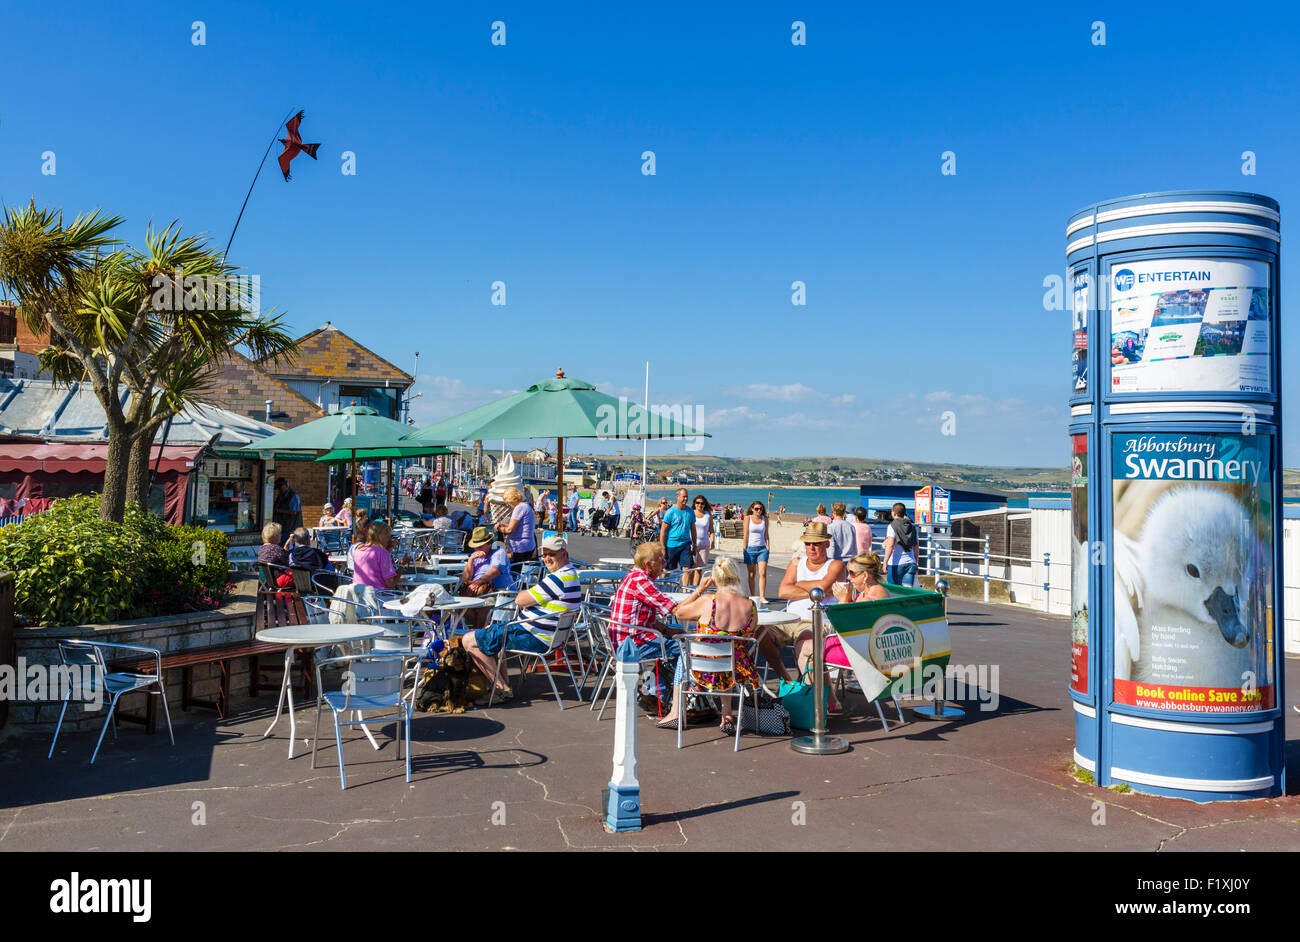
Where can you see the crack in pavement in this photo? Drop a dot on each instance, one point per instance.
(17, 812)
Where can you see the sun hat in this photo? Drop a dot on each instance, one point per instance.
(480, 537)
(327, 506)
(555, 544)
(815, 533)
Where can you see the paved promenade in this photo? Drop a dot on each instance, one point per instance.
(528, 776)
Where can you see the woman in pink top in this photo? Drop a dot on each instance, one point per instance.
(863, 530)
(372, 564)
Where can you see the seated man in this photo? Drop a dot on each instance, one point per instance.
(486, 570)
(306, 556)
(815, 570)
(636, 602)
(542, 605)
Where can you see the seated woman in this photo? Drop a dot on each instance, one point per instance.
(327, 518)
(344, 517)
(360, 536)
(864, 585)
(271, 551)
(486, 570)
(635, 521)
(726, 612)
(372, 563)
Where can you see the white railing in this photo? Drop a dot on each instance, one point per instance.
(939, 557)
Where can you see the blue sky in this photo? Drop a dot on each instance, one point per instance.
(522, 163)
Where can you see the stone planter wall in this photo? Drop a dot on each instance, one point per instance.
(230, 624)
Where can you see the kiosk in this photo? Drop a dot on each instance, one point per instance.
(1176, 484)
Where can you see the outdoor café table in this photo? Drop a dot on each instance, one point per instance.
(339, 560)
(618, 560)
(307, 636)
(424, 578)
(457, 607)
(601, 575)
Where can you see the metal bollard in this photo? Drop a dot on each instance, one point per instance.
(819, 744)
(940, 710)
(623, 804)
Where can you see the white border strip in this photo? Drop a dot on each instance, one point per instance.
(1086, 710)
(1183, 206)
(1083, 763)
(1085, 409)
(1237, 408)
(1193, 784)
(1227, 729)
(1173, 228)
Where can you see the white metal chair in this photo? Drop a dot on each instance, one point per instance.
(407, 637)
(87, 674)
(712, 654)
(602, 624)
(370, 682)
(564, 624)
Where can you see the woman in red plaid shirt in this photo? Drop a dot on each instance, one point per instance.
(638, 601)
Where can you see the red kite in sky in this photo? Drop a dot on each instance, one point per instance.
(293, 145)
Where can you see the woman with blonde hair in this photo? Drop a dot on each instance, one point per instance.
(520, 531)
(726, 612)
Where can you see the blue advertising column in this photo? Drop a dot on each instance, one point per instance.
(1176, 479)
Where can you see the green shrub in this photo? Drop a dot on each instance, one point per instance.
(187, 571)
(72, 568)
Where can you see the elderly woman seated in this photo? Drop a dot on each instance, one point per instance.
(271, 551)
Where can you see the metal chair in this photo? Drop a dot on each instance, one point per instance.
(713, 654)
(450, 540)
(563, 625)
(602, 624)
(77, 658)
(370, 682)
(328, 582)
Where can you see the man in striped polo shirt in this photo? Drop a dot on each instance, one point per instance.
(540, 609)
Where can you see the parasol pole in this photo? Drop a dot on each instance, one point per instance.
(559, 484)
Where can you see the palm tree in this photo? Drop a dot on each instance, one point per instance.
(158, 322)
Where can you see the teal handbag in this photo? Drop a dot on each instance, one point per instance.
(797, 698)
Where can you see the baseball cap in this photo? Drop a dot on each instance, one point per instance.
(554, 544)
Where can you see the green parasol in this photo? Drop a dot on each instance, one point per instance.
(556, 408)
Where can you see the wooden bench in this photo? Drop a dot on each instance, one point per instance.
(274, 608)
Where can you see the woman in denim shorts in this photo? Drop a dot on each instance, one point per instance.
(758, 543)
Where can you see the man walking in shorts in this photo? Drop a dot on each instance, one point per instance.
(677, 534)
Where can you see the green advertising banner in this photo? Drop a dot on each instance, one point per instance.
(896, 645)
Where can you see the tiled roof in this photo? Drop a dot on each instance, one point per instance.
(328, 353)
(240, 386)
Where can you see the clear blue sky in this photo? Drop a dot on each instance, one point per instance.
(522, 163)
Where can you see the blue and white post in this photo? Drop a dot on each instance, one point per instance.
(1176, 485)
(623, 808)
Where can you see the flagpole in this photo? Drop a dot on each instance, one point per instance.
(274, 138)
(645, 484)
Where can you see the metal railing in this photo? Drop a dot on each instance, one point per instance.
(938, 550)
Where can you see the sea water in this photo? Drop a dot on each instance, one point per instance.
(802, 501)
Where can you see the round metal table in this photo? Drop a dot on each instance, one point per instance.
(307, 636)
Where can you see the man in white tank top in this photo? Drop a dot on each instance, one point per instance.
(815, 570)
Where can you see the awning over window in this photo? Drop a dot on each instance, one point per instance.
(30, 457)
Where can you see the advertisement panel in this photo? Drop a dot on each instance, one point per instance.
(1192, 559)
(1190, 325)
(1080, 283)
(1079, 565)
(921, 506)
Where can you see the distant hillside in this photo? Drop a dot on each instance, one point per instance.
(832, 470)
